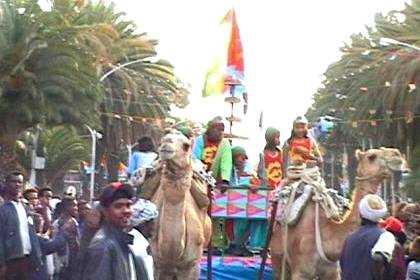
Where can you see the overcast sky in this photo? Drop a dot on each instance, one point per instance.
(288, 45)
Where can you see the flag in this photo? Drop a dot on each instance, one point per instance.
(228, 66)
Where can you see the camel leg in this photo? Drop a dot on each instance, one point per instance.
(277, 263)
(190, 273)
(331, 274)
(161, 274)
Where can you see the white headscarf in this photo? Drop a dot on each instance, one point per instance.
(372, 207)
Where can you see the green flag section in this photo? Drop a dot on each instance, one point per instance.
(228, 63)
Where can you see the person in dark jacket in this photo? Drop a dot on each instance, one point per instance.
(20, 253)
(67, 258)
(413, 270)
(367, 251)
(48, 246)
(108, 256)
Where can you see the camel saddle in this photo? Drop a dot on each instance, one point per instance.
(306, 184)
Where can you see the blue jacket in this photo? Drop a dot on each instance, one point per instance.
(48, 246)
(413, 271)
(356, 258)
(107, 256)
(10, 242)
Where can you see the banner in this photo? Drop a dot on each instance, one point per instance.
(241, 203)
(228, 66)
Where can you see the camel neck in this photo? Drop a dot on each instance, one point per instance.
(172, 228)
(362, 188)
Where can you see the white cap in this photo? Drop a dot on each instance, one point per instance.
(71, 191)
(372, 207)
(301, 119)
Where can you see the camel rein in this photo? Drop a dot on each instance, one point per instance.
(286, 232)
(318, 238)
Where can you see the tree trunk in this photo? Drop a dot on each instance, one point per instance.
(8, 160)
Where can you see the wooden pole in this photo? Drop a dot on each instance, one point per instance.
(210, 246)
(332, 170)
(264, 253)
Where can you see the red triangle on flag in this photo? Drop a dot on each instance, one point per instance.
(233, 209)
(252, 210)
(256, 196)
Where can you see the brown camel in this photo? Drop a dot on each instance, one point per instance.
(183, 228)
(302, 256)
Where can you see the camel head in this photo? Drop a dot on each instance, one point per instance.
(378, 164)
(176, 150)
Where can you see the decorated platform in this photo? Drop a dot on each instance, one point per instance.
(240, 202)
(235, 268)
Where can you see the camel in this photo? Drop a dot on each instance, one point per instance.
(183, 228)
(302, 257)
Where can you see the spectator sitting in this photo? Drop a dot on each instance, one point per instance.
(413, 270)
(142, 158)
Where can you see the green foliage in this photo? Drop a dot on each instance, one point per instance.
(44, 77)
(369, 87)
(412, 185)
(51, 64)
(62, 148)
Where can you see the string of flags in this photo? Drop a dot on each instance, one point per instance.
(411, 87)
(409, 118)
(137, 119)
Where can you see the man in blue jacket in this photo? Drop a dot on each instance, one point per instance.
(20, 253)
(108, 256)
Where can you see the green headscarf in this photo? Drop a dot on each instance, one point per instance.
(236, 151)
(215, 121)
(270, 132)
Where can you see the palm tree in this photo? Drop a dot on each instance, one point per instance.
(44, 76)
(63, 150)
(373, 82)
(145, 89)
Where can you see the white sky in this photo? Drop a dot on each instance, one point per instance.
(288, 45)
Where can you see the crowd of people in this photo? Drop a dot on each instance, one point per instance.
(45, 237)
(48, 236)
(379, 248)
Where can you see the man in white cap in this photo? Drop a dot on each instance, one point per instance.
(367, 251)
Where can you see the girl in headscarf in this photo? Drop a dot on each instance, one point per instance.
(271, 168)
(302, 149)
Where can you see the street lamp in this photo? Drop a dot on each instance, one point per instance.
(388, 41)
(125, 65)
(94, 136)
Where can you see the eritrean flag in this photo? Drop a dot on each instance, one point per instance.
(228, 66)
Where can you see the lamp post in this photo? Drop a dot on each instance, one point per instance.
(388, 41)
(94, 136)
(123, 66)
